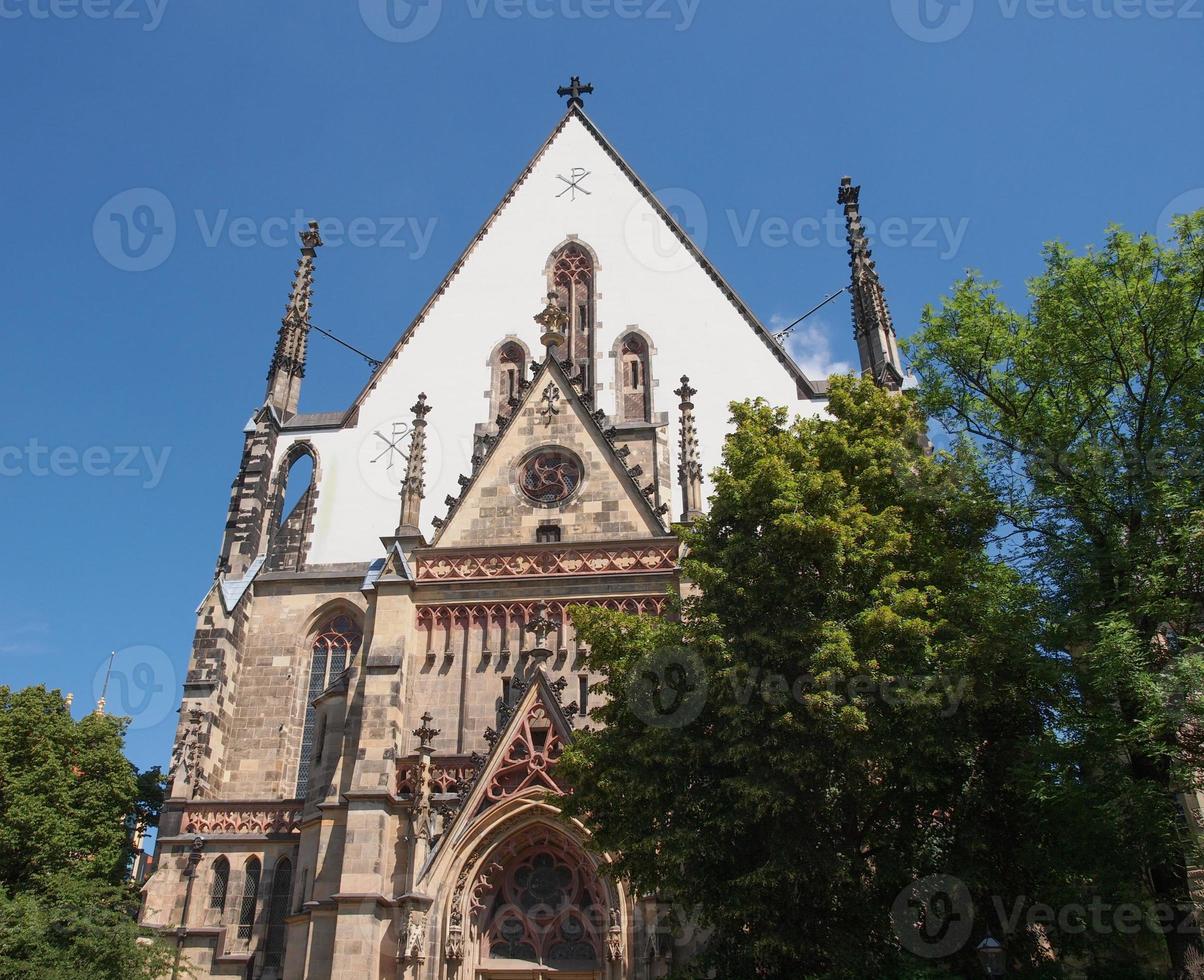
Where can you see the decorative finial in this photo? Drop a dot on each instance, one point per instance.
(539, 627)
(553, 320)
(311, 237)
(689, 466)
(574, 90)
(412, 486)
(425, 734)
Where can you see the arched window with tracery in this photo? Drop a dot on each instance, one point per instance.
(572, 280)
(282, 885)
(250, 895)
(546, 906)
(337, 640)
(634, 399)
(219, 883)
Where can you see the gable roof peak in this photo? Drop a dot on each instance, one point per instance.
(596, 420)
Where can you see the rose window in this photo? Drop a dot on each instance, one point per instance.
(549, 476)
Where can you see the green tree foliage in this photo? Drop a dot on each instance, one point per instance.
(851, 702)
(66, 794)
(1088, 408)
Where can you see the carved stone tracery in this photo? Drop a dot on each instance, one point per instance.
(241, 818)
(536, 561)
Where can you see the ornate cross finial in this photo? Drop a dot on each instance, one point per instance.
(689, 466)
(553, 320)
(574, 90)
(540, 626)
(425, 734)
(413, 486)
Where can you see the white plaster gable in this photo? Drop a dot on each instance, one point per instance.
(647, 277)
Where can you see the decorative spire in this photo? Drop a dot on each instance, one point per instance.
(412, 487)
(288, 363)
(553, 320)
(689, 467)
(872, 326)
(574, 90)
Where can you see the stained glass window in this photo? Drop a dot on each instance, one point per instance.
(337, 641)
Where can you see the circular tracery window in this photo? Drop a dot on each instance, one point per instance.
(549, 476)
(545, 911)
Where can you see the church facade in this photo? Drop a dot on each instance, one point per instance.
(364, 773)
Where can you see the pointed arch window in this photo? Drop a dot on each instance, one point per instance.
(635, 380)
(282, 885)
(572, 280)
(219, 883)
(293, 509)
(508, 371)
(250, 895)
(337, 640)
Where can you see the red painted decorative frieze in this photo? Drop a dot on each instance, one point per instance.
(520, 613)
(448, 774)
(500, 628)
(494, 564)
(241, 818)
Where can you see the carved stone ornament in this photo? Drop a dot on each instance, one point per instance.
(414, 948)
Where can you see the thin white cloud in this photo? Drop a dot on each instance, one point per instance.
(810, 346)
(24, 639)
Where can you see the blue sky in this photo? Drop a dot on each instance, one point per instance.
(978, 128)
